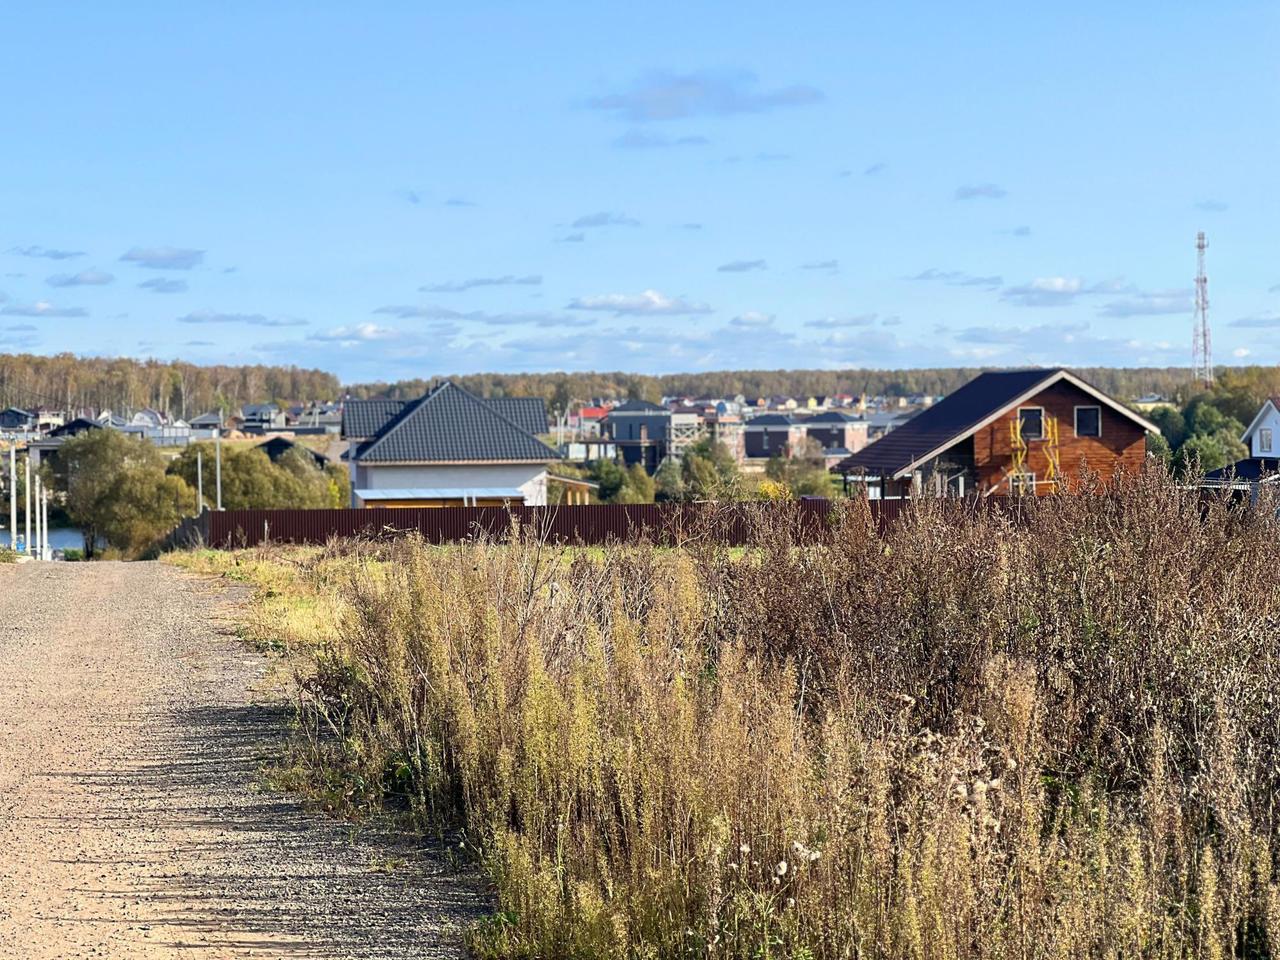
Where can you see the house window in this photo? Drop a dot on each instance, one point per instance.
(1264, 440)
(1088, 421)
(1032, 421)
(1022, 484)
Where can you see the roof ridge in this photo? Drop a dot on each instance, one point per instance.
(395, 423)
(411, 410)
(484, 402)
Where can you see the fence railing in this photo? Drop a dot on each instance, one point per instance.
(733, 524)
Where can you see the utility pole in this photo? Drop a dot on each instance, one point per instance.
(26, 541)
(217, 473)
(13, 496)
(39, 552)
(47, 553)
(1201, 350)
(199, 482)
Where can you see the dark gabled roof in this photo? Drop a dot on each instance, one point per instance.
(451, 425)
(258, 409)
(1253, 468)
(959, 414)
(212, 417)
(277, 447)
(527, 413)
(772, 420)
(362, 419)
(833, 416)
(74, 427)
(638, 406)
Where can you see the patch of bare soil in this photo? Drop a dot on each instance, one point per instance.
(133, 726)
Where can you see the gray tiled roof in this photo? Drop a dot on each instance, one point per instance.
(451, 425)
(638, 406)
(362, 419)
(527, 413)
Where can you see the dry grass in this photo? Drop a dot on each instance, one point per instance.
(969, 738)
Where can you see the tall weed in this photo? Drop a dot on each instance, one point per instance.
(973, 736)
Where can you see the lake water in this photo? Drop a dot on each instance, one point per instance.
(62, 538)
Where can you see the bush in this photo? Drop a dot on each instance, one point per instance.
(972, 736)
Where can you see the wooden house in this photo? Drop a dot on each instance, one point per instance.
(1007, 432)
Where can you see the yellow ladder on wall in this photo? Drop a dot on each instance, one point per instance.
(1054, 467)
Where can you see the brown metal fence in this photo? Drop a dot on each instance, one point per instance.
(735, 524)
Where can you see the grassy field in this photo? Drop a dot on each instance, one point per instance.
(966, 738)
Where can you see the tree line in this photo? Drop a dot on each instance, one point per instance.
(1203, 432)
(177, 388)
(561, 390)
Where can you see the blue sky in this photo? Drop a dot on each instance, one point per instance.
(398, 189)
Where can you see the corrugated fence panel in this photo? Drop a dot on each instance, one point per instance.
(733, 524)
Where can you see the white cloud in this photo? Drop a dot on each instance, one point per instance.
(46, 253)
(836, 323)
(459, 286)
(1153, 304)
(980, 191)
(671, 96)
(41, 308)
(1241, 352)
(85, 278)
(648, 303)
(644, 140)
(1259, 321)
(164, 258)
(356, 333)
(1045, 292)
(249, 319)
(164, 285)
(958, 278)
(753, 319)
(605, 218)
(742, 266)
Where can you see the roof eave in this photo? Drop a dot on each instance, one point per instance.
(442, 463)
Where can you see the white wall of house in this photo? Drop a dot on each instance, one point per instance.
(530, 478)
(1263, 435)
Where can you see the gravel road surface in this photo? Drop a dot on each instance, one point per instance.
(133, 726)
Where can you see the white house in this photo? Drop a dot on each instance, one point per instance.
(1262, 437)
(448, 448)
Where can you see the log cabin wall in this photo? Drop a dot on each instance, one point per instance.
(1122, 445)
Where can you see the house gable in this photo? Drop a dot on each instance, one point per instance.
(1256, 436)
(450, 425)
(1119, 445)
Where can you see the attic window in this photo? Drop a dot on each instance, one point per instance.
(1032, 422)
(1088, 421)
(1264, 440)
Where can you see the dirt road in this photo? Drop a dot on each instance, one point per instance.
(132, 825)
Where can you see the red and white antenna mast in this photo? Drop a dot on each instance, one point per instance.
(1201, 349)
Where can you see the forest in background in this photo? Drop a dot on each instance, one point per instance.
(560, 389)
(177, 388)
(186, 389)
